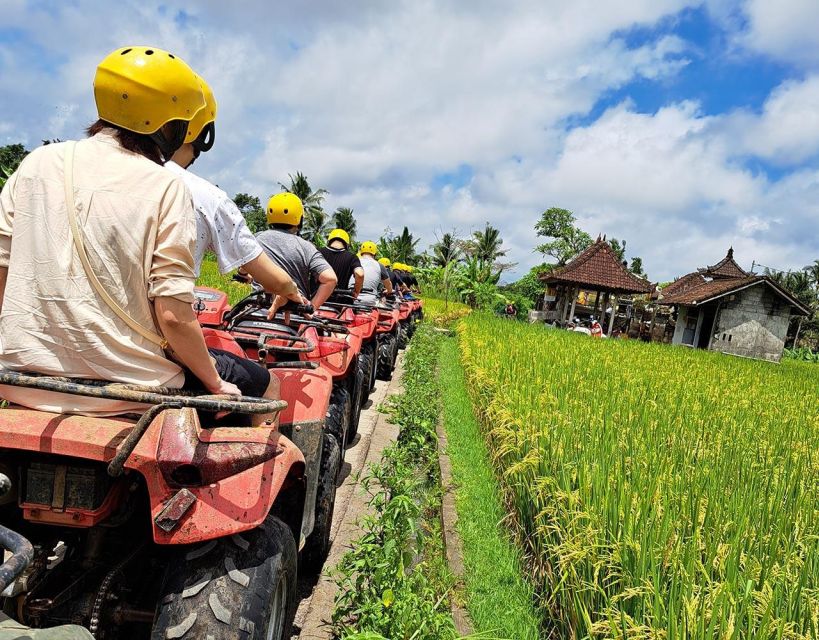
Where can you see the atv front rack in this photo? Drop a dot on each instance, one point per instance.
(161, 398)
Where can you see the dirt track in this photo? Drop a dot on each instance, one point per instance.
(374, 434)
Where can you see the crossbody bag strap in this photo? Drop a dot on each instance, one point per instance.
(79, 244)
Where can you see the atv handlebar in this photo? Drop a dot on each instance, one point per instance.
(294, 307)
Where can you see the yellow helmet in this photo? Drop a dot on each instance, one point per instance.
(409, 267)
(339, 234)
(284, 208)
(397, 266)
(202, 129)
(143, 88)
(385, 261)
(369, 247)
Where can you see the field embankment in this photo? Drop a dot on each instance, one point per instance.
(659, 492)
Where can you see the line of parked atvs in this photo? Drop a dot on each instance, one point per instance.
(153, 526)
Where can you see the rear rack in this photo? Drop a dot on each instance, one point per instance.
(160, 397)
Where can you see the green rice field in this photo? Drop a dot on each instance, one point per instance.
(658, 492)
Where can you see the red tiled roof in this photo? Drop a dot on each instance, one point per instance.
(598, 268)
(727, 268)
(710, 290)
(683, 284)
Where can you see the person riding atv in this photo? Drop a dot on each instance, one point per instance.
(107, 292)
(298, 257)
(376, 276)
(145, 516)
(346, 264)
(220, 226)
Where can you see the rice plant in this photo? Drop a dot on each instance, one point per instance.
(659, 492)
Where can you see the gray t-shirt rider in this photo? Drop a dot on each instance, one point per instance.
(374, 274)
(297, 256)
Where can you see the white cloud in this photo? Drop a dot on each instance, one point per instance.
(787, 130)
(785, 29)
(373, 100)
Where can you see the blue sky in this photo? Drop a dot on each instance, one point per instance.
(683, 127)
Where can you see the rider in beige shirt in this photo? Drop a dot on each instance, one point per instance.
(138, 224)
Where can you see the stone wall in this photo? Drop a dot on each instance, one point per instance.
(752, 324)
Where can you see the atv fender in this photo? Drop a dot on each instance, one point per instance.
(241, 471)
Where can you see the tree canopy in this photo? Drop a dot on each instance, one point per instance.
(567, 239)
(252, 210)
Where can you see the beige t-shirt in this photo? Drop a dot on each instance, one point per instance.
(139, 228)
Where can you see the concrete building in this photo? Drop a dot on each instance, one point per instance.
(724, 308)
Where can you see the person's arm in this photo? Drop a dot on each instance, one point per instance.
(385, 280)
(178, 324)
(4, 272)
(358, 275)
(273, 278)
(170, 287)
(6, 226)
(327, 280)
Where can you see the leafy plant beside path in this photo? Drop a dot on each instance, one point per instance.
(394, 582)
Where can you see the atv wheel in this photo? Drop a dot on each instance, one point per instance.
(386, 351)
(373, 365)
(403, 337)
(317, 545)
(233, 588)
(359, 387)
(337, 421)
(366, 366)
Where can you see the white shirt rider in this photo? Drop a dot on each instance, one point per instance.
(220, 226)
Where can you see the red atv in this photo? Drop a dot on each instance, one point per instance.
(153, 525)
(361, 322)
(331, 343)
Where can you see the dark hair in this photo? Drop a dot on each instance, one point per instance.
(292, 228)
(140, 143)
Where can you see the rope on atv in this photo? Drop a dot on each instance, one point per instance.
(161, 398)
(143, 394)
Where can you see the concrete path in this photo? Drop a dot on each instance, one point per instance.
(374, 434)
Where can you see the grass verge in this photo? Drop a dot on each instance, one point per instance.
(497, 597)
(394, 582)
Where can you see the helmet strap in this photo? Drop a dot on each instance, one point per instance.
(168, 145)
(204, 141)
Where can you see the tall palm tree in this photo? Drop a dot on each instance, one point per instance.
(446, 250)
(299, 186)
(799, 284)
(343, 219)
(316, 223)
(813, 273)
(316, 226)
(486, 244)
(403, 247)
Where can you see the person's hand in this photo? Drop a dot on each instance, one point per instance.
(225, 388)
(279, 301)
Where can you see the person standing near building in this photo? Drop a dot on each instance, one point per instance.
(298, 257)
(346, 264)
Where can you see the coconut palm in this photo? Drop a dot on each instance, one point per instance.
(343, 219)
(446, 250)
(299, 186)
(486, 245)
(813, 273)
(316, 226)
